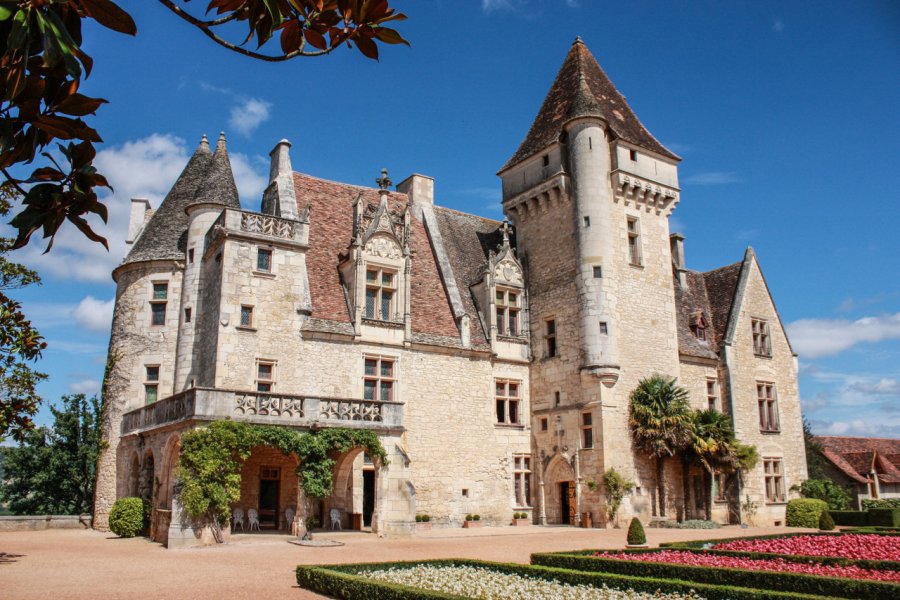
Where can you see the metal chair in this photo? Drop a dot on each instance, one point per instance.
(253, 518)
(336, 518)
(237, 518)
(289, 519)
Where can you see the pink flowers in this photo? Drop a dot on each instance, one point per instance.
(871, 547)
(681, 557)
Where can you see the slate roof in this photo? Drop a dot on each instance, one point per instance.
(330, 230)
(856, 457)
(721, 285)
(582, 89)
(467, 240)
(689, 302)
(207, 177)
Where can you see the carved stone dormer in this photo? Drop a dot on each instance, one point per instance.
(377, 268)
(502, 294)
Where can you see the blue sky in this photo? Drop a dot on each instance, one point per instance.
(786, 116)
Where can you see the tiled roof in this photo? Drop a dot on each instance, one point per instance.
(690, 303)
(467, 240)
(206, 178)
(720, 288)
(330, 230)
(581, 89)
(856, 456)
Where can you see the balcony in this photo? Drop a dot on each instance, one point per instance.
(265, 408)
(234, 222)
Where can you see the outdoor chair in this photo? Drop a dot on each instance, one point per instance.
(253, 518)
(237, 518)
(289, 519)
(336, 518)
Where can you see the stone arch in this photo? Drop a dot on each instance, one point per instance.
(559, 491)
(147, 484)
(355, 487)
(170, 454)
(134, 475)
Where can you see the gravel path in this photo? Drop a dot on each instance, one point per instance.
(90, 565)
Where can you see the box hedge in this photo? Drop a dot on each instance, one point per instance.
(342, 581)
(884, 517)
(850, 518)
(128, 517)
(767, 580)
(804, 512)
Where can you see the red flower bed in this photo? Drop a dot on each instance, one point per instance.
(680, 557)
(871, 547)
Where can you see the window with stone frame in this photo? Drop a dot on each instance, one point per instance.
(712, 393)
(264, 260)
(379, 378)
(151, 383)
(522, 479)
(634, 242)
(720, 487)
(265, 375)
(550, 337)
(507, 400)
(699, 326)
(381, 290)
(767, 401)
(158, 303)
(508, 305)
(762, 341)
(246, 316)
(774, 479)
(587, 430)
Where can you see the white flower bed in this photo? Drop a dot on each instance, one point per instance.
(484, 584)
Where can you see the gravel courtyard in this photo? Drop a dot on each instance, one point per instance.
(73, 564)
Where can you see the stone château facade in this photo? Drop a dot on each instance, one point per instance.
(494, 360)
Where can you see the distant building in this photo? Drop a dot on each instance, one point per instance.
(495, 363)
(868, 466)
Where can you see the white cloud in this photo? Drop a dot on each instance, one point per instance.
(490, 6)
(884, 386)
(712, 178)
(778, 26)
(249, 115)
(814, 338)
(143, 168)
(877, 427)
(93, 314)
(85, 386)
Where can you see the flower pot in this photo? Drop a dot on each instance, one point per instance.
(423, 526)
(471, 524)
(520, 522)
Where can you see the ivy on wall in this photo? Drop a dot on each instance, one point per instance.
(209, 469)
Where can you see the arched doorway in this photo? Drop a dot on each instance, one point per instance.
(559, 493)
(147, 485)
(355, 484)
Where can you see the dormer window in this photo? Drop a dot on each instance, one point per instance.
(699, 326)
(508, 305)
(381, 288)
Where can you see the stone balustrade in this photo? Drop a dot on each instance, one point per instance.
(267, 408)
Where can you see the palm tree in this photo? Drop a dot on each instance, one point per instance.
(660, 421)
(714, 446)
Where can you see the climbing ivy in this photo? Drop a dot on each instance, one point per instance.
(209, 469)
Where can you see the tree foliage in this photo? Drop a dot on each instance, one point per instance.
(42, 64)
(20, 343)
(660, 422)
(825, 489)
(616, 486)
(815, 453)
(53, 470)
(209, 470)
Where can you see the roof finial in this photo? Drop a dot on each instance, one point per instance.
(384, 182)
(221, 136)
(505, 228)
(577, 40)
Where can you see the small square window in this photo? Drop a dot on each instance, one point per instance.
(556, 398)
(265, 376)
(632, 154)
(246, 316)
(586, 221)
(465, 492)
(187, 315)
(264, 260)
(153, 373)
(190, 256)
(545, 160)
(544, 424)
(158, 313)
(160, 291)
(550, 337)
(151, 393)
(604, 330)
(598, 272)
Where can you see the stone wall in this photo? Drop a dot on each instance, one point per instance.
(42, 522)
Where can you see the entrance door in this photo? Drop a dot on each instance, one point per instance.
(368, 497)
(565, 504)
(268, 497)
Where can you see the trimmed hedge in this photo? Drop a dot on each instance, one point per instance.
(884, 517)
(805, 512)
(766, 580)
(128, 517)
(876, 530)
(341, 581)
(636, 536)
(826, 523)
(881, 503)
(855, 518)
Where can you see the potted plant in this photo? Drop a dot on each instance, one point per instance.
(520, 519)
(636, 537)
(472, 521)
(423, 522)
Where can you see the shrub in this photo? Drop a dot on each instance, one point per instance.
(836, 496)
(881, 503)
(127, 517)
(663, 524)
(855, 518)
(418, 518)
(636, 536)
(804, 512)
(617, 486)
(884, 517)
(426, 518)
(476, 517)
(826, 523)
(469, 518)
(698, 524)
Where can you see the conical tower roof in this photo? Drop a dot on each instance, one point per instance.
(582, 89)
(218, 185)
(163, 238)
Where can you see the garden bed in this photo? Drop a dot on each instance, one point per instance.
(869, 546)
(365, 581)
(708, 568)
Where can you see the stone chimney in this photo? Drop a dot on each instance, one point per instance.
(140, 214)
(420, 189)
(279, 199)
(676, 242)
